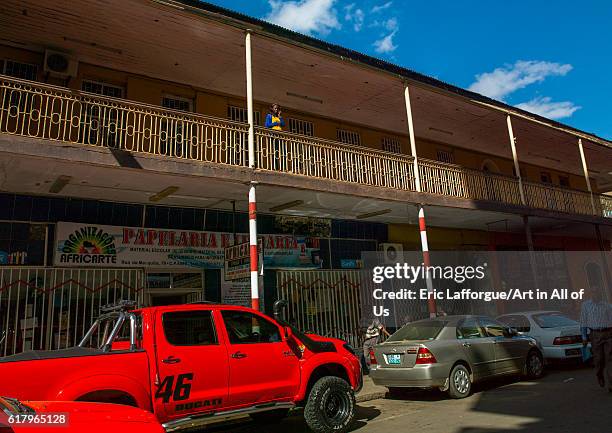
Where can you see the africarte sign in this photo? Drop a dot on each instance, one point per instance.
(93, 245)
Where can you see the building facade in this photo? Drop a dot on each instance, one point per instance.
(132, 131)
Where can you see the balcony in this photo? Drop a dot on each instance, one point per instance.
(36, 110)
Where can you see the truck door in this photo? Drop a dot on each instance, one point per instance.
(263, 367)
(192, 364)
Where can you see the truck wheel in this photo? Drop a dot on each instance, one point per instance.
(459, 381)
(330, 406)
(270, 416)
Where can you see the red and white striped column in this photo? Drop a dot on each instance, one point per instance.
(431, 302)
(253, 252)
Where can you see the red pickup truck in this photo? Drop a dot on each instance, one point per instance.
(195, 364)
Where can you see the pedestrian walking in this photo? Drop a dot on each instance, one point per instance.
(372, 338)
(596, 327)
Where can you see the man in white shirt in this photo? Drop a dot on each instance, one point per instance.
(596, 326)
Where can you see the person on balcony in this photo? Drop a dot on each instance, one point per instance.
(276, 146)
(274, 119)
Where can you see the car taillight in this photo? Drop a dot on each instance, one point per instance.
(372, 358)
(424, 356)
(569, 339)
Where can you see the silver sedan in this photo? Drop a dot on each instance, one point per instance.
(451, 353)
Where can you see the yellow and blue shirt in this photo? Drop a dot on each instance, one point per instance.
(275, 122)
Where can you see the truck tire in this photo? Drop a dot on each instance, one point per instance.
(270, 416)
(330, 406)
(459, 382)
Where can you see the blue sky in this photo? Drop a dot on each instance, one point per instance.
(549, 57)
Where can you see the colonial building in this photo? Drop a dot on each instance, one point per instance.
(131, 132)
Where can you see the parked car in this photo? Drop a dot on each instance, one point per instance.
(558, 336)
(451, 353)
(73, 417)
(195, 364)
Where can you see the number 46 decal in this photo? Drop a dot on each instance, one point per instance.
(182, 390)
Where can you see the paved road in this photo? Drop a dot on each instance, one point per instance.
(566, 400)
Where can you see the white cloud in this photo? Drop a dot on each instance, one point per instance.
(385, 45)
(304, 16)
(391, 24)
(544, 106)
(356, 17)
(382, 7)
(505, 80)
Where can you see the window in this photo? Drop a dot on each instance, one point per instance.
(239, 114)
(302, 127)
(554, 320)
(348, 137)
(100, 88)
(422, 330)
(391, 144)
(564, 181)
(517, 321)
(177, 103)
(100, 126)
(469, 328)
(545, 177)
(492, 328)
(189, 328)
(247, 328)
(445, 156)
(25, 71)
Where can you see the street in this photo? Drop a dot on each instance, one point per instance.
(566, 400)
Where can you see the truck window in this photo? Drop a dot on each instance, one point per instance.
(189, 328)
(247, 328)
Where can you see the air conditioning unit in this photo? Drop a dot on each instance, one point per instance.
(392, 253)
(61, 65)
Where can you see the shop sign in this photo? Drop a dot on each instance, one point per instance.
(238, 260)
(94, 245)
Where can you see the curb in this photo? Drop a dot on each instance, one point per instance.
(374, 395)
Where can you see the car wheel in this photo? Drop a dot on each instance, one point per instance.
(460, 383)
(330, 406)
(270, 416)
(534, 365)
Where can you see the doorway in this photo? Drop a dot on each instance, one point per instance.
(174, 288)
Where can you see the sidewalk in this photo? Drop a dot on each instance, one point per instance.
(370, 391)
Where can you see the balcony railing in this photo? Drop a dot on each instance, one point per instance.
(456, 181)
(38, 110)
(314, 157)
(55, 113)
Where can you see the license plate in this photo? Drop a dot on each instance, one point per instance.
(572, 352)
(394, 358)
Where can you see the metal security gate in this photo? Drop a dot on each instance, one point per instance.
(324, 302)
(52, 308)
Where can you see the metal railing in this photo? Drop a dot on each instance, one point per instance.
(549, 197)
(456, 181)
(315, 157)
(604, 205)
(52, 308)
(38, 110)
(326, 302)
